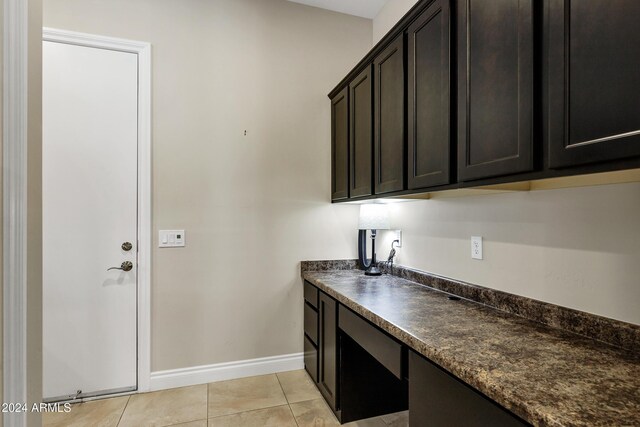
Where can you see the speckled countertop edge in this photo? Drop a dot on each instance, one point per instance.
(448, 361)
(614, 332)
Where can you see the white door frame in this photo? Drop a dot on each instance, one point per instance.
(14, 214)
(143, 51)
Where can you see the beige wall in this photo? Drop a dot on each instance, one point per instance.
(253, 206)
(34, 210)
(388, 16)
(575, 247)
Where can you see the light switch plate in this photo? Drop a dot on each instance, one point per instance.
(476, 247)
(171, 238)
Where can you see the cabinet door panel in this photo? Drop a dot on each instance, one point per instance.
(429, 148)
(340, 146)
(389, 118)
(328, 349)
(311, 323)
(437, 399)
(311, 294)
(495, 88)
(311, 359)
(594, 63)
(361, 130)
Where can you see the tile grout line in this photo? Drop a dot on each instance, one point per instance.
(244, 412)
(295, 420)
(302, 401)
(248, 410)
(287, 399)
(282, 389)
(123, 409)
(308, 400)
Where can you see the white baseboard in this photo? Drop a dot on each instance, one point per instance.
(172, 378)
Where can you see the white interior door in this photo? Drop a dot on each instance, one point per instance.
(90, 129)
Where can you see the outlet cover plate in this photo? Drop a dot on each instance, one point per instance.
(398, 238)
(171, 238)
(476, 247)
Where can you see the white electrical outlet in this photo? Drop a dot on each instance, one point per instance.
(476, 247)
(398, 238)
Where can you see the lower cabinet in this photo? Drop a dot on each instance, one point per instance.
(328, 349)
(311, 330)
(364, 372)
(437, 399)
(311, 359)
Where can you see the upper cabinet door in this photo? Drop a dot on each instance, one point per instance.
(429, 148)
(389, 152)
(361, 112)
(340, 146)
(495, 88)
(593, 110)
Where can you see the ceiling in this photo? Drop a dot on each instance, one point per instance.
(363, 8)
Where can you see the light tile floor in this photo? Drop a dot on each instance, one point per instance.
(281, 400)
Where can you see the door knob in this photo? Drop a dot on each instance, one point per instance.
(125, 266)
(126, 246)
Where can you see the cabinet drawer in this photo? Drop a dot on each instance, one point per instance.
(311, 294)
(311, 323)
(385, 349)
(311, 359)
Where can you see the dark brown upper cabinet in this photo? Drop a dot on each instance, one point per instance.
(361, 113)
(428, 106)
(389, 151)
(495, 87)
(340, 146)
(593, 54)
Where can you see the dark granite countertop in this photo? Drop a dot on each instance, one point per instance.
(545, 375)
